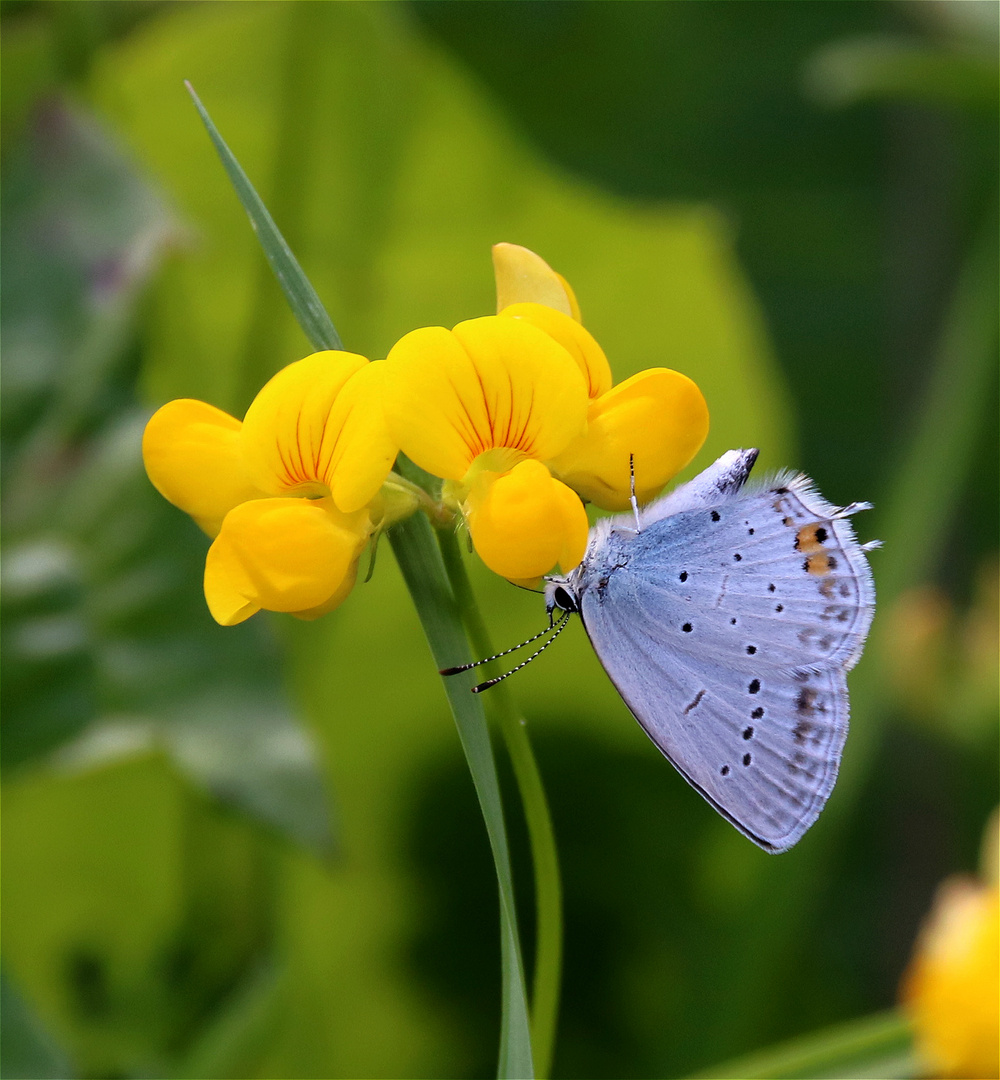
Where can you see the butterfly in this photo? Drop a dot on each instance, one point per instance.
(727, 616)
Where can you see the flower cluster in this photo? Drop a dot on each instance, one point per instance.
(514, 412)
(291, 495)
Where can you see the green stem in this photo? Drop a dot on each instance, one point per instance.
(439, 515)
(547, 972)
(420, 561)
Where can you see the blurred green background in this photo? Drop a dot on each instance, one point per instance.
(256, 852)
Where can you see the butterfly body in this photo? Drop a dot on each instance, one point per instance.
(727, 619)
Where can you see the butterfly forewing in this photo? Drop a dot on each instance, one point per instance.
(735, 582)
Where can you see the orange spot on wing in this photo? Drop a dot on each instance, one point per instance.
(807, 541)
(818, 564)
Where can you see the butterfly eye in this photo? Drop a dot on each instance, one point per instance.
(563, 600)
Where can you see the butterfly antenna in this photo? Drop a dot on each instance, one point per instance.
(558, 629)
(496, 656)
(632, 498)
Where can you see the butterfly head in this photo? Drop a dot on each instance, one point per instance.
(561, 594)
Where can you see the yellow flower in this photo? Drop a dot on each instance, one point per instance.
(483, 406)
(517, 411)
(291, 495)
(952, 987)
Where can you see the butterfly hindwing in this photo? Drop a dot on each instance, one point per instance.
(763, 751)
(728, 629)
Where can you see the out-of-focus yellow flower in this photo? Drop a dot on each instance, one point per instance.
(291, 495)
(942, 661)
(952, 987)
(516, 409)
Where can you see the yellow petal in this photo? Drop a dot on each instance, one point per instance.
(192, 455)
(335, 600)
(491, 382)
(358, 451)
(574, 339)
(291, 555)
(659, 416)
(524, 522)
(287, 437)
(524, 277)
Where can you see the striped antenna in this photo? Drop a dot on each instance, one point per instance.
(496, 656)
(556, 631)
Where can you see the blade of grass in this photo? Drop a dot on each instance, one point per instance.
(874, 1046)
(423, 570)
(302, 298)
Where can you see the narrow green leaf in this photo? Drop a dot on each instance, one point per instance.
(302, 299)
(872, 1046)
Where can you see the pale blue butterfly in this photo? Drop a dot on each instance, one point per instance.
(727, 618)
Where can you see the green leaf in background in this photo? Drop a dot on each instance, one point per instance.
(101, 630)
(111, 664)
(81, 235)
(147, 902)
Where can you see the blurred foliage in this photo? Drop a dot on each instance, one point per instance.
(683, 166)
(100, 631)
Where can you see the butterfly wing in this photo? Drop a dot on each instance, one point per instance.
(728, 630)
